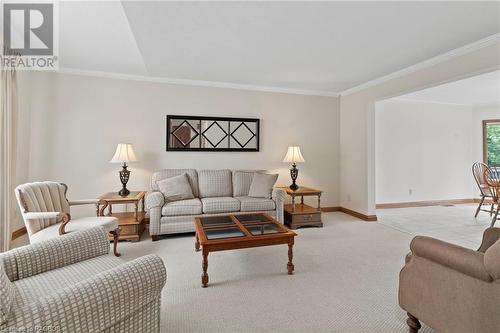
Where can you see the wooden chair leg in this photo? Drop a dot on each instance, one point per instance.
(413, 323)
(495, 217)
(116, 236)
(479, 207)
(155, 238)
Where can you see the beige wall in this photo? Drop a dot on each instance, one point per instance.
(76, 122)
(423, 151)
(357, 144)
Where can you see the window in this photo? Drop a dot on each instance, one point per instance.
(491, 142)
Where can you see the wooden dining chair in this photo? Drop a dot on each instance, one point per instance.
(479, 170)
(492, 178)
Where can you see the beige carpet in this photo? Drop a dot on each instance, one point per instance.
(346, 280)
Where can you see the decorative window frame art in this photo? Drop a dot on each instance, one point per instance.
(198, 133)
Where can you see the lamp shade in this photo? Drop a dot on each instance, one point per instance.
(293, 155)
(124, 153)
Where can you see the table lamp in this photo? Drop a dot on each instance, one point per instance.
(124, 153)
(294, 156)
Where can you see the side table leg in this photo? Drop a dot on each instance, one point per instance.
(319, 202)
(290, 265)
(116, 236)
(293, 203)
(197, 243)
(136, 210)
(204, 265)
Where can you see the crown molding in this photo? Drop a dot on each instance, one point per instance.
(196, 83)
(482, 43)
(470, 105)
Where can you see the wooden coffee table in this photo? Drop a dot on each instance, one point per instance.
(230, 232)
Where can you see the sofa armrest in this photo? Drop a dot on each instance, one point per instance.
(279, 197)
(54, 253)
(95, 304)
(490, 237)
(154, 199)
(458, 258)
(278, 194)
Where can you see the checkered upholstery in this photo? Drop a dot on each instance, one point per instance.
(220, 205)
(250, 204)
(182, 207)
(168, 173)
(54, 253)
(242, 179)
(165, 218)
(99, 293)
(8, 294)
(215, 183)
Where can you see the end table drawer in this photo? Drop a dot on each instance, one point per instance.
(314, 217)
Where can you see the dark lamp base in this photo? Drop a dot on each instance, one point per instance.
(124, 192)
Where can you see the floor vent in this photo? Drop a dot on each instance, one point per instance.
(449, 205)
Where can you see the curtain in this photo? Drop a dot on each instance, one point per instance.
(8, 116)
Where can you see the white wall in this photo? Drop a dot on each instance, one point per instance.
(423, 147)
(76, 122)
(357, 137)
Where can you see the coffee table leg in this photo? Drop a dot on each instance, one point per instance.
(204, 265)
(197, 243)
(290, 265)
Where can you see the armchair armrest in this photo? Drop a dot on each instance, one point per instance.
(54, 253)
(42, 215)
(490, 236)
(105, 299)
(154, 199)
(83, 202)
(458, 258)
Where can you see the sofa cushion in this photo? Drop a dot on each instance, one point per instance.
(182, 207)
(250, 204)
(176, 188)
(262, 185)
(220, 205)
(9, 294)
(167, 173)
(215, 183)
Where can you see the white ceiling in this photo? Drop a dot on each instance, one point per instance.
(322, 47)
(478, 90)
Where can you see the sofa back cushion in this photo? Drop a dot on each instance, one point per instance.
(168, 173)
(215, 183)
(8, 293)
(176, 188)
(242, 179)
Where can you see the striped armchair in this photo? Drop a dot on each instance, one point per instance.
(72, 284)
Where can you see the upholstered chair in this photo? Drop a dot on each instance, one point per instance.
(452, 288)
(46, 212)
(71, 284)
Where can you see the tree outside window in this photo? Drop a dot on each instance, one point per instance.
(491, 144)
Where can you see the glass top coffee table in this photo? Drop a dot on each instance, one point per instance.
(231, 232)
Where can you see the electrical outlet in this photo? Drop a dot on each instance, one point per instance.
(410, 191)
(348, 197)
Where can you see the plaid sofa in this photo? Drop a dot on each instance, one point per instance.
(72, 284)
(217, 192)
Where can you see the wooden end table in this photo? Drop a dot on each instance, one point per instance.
(299, 215)
(132, 224)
